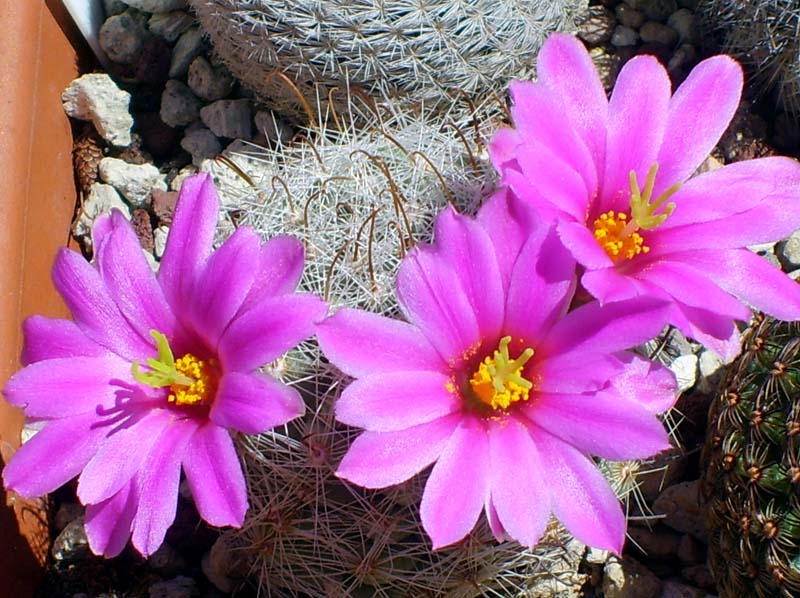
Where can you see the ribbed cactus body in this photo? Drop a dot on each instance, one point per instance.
(763, 35)
(421, 49)
(752, 455)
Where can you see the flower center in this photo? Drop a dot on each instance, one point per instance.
(498, 381)
(617, 232)
(191, 381)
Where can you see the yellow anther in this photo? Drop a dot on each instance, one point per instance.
(498, 381)
(610, 231)
(643, 213)
(190, 380)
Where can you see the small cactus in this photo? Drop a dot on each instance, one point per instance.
(422, 50)
(359, 198)
(763, 36)
(752, 460)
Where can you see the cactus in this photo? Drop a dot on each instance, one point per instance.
(752, 461)
(763, 36)
(417, 49)
(359, 197)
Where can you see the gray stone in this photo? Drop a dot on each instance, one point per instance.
(690, 551)
(133, 181)
(596, 556)
(122, 37)
(624, 36)
(656, 10)
(66, 514)
(275, 129)
(167, 561)
(114, 7)
(101, 199)
(71, 542)
(188, 47)
(675, 589)
(628, 16)
(627, 578)
(170, 25)
(229, 118)
(685, 25)
(663, 470)
(157, 5)
(160, 235)
(595, 25)
(97, 98)
(179, 587)
(710, 366)
(685, 370)
(201, 143)
(683, 57)
(209, 82)
(658, 33)
(183, 174)
(179, 106)
(659, 543)
(788, 252)
(680, 506)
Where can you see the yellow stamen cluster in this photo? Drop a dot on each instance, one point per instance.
(498, 381)
(203, 381)
(617, 233)
(609, 230)
(191, 380)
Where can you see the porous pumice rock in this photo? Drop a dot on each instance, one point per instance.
(170, 25)
(133, 181)
(201, 143)
(96, 98)
(101, 199)
(627, 578)
(274, 128)
(229, 118)
(208, 81)
(122, 37)
(157, 5)
(188, 47)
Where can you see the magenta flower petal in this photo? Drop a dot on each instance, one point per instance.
(692, 287)
(509, 223)
(215, 476)
(434, 299)
(190, 238)
(698, 115)
(637, 119)
(231, 268)
(650, 384)
(609, 285)
(606, 329)
(360, 343)
(603, 424)
(552, 281)
(280, 267)
(267, 331)
(775, 293)
(157, 486)
(129, 279)
(587, 373)
(381, 459)
(582, 498)
(498, 531)
(564, 66)
(717, 332)
(94, 309)
(122, 454)
(254, 403)
(535, 109)
(51, 338)
(583, 245)
(522, 501)
(34, 470)
(108, 523)
(448, 516)
(392, 401)
(64, 387)
(467, 249)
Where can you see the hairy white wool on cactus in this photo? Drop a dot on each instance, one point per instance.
(415, 48)
(763, 35)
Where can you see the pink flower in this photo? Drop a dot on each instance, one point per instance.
(614, 174)
(151, 372)
(492, 382)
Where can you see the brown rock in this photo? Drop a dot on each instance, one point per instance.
(164, 205)
(659, 543)
(144, 228)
